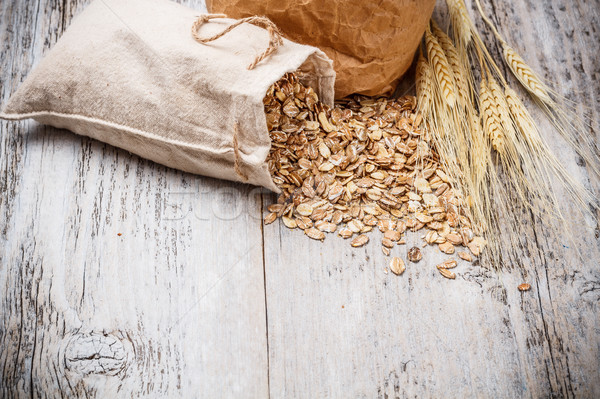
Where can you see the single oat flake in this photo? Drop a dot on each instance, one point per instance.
(524, 287)
(447, 273)
(449, 264)
(360, 241)
(397, 266)
(414, 254)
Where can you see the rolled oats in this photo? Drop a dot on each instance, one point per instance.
(362, 164)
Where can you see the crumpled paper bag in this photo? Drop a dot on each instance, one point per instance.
(371, 43)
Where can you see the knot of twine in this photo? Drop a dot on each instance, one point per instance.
(275, 37)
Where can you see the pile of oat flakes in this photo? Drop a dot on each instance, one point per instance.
(363, 164)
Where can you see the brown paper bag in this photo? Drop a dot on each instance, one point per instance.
(131, 74)
(371, 43)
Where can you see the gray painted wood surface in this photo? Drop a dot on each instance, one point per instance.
(123, 278)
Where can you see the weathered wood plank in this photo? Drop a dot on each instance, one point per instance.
(176, 304)
(339, 326)
(556, 39)
(118, 277)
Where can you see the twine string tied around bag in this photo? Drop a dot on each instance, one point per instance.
(275, 36)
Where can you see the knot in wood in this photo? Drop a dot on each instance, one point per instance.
(95, 353)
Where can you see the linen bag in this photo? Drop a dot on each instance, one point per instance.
(131, 74)
(371, 43)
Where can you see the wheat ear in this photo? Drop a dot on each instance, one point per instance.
(458, 70)
(525, 74)
(441, 68)
(461, 21)
(518, 66)
(492, 121)
(501, 104)
(424, 82)
(480, 151)
(520, 114)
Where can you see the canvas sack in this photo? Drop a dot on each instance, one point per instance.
(130, 73)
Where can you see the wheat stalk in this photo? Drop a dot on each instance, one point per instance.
(570, 125)
(528, 179)
(492, 120)
(469, 126)
(424, 83)
(478, 158)
(531, 134)
(441, 68)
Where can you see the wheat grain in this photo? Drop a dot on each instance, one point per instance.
(477, 245)
(448, 264)
(359, 241)
(397, 266)
(414, 254)
(465, 256)
(441, 68)
(492, 121)
(524, 287)
(446, 248)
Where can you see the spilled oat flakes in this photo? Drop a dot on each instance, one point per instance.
(362, 165)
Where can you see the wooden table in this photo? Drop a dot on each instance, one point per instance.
(123, 278)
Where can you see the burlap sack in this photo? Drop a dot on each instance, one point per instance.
(129, 73)
(371, 43)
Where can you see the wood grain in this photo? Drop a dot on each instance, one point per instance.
(119, 277)
(349, 329)
(123, 278)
